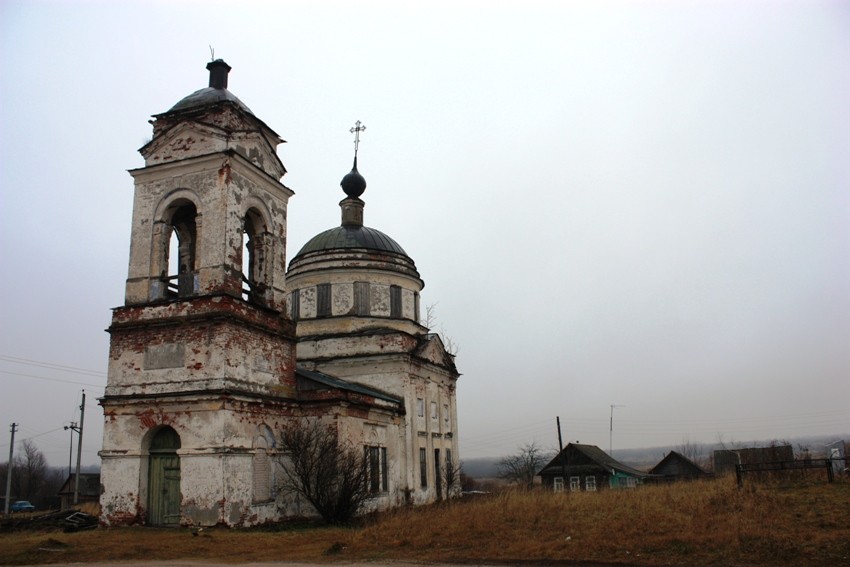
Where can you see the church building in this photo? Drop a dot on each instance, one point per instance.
(218, 346)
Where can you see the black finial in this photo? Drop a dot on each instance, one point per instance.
(218, 73)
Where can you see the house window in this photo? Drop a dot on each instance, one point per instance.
(323, 300)
(423, 468)
(434, 411)
(575, 484)
(558, 484)
(361, 298)
(295, 304)
(590, 483)
(378, 474)
(395, 301)
(420, 407)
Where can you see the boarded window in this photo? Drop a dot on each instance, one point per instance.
(423, 468)
(420, 407)
(295, 304)
(323, 300)
(395, 301)
(361, 298)
(434, 411)
(262, 475)
(446, 415)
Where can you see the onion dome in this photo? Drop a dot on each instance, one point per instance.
(353, 183)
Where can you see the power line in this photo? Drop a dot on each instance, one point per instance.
(52, 366)
(100, 386)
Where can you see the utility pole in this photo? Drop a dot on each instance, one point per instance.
(73, 427)
(561, 452)
(79, 450)
(611, 431)
(9, 470)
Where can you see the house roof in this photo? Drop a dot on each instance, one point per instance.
(89, 484)
(591, 453)
(677, 464)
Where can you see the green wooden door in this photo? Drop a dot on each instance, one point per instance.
(164, 483)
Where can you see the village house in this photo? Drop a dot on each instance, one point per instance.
(588, 468)
(88, 491)
(218, 346)
(676, 466)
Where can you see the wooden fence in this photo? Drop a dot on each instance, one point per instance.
(782, 470)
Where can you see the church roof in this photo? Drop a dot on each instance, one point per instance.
(339, 384)
(215, 93)
(208, 96)
(349, 236)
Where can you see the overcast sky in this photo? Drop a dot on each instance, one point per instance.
(635, 203)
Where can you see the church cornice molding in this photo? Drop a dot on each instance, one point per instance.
(211, 162)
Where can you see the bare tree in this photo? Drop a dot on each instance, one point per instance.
(451, 477)
(696, 452)
(330, 475)
(430, 321)
(521, 467)
(30, 471)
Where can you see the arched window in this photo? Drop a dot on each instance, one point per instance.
(256, 254)
(179, 266)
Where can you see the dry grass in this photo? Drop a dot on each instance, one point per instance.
(702, 523)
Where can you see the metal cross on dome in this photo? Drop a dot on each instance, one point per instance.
(358, 127)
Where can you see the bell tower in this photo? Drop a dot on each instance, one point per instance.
(202, 355)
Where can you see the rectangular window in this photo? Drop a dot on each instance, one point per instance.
(295, 304)
(361, 298)
(434, 411)
(416, 307)
(590, 483)
(323, 300)
(378, 474)
(575, 484)
(420, 407)
(423, 468)
(395, 301)
(558, 484)
(452, 475)
(438, 475)
(446, 415)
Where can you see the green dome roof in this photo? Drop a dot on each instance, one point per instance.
(347, 237)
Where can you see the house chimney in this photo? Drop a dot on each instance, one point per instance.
(218, 73)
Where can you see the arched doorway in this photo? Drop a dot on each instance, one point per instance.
(164, 479)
